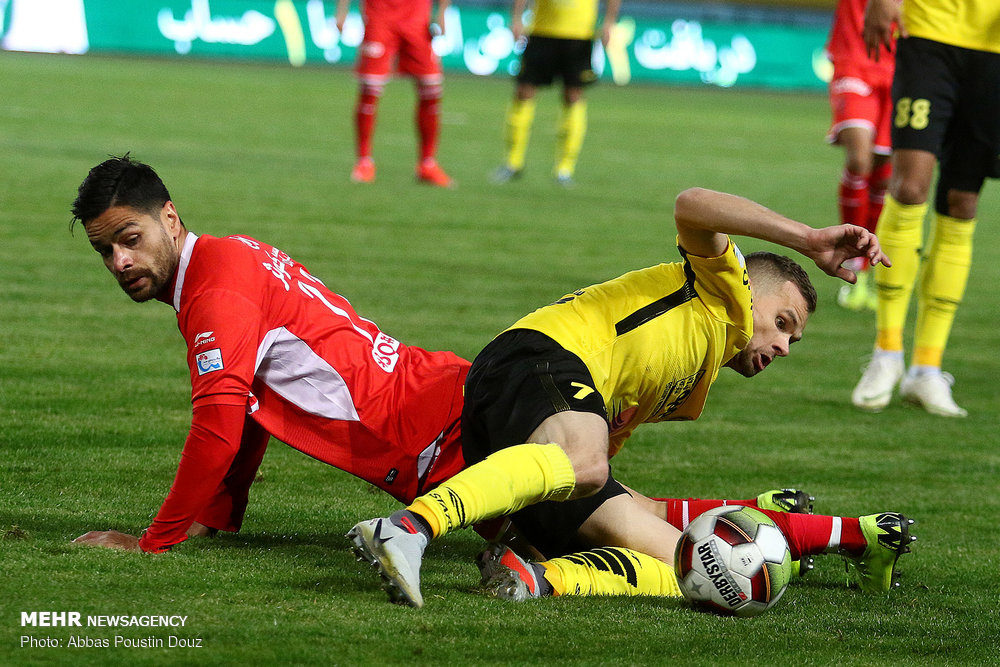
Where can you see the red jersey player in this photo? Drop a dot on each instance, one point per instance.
(398, 36)
(861, 101)
(272, 351)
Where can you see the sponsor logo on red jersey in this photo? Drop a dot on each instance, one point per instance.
(209, 361)
(385, 352)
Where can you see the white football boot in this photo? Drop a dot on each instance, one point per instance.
(874, 390)
(932, 392)
(396, 554)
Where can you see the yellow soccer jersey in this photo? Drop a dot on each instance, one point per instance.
(565, 19)
(970, 24)
(654, 339)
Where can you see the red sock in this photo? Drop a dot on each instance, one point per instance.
(877, 185)
(364, 121)
(428, 119)
(680, 511)
(812, 534)
(807, 534)
(852, 198)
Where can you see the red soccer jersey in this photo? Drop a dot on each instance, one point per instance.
(265, 336)
(847, 47)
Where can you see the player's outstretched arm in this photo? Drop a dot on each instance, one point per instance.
(706, 218)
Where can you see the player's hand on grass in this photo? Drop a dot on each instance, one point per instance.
(831, 246)
(111, 539)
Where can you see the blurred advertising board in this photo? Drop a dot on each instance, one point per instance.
(658, 43)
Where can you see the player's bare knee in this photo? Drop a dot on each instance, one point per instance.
(591, 476)
(859, 164)
(962, 205)
(912, 190)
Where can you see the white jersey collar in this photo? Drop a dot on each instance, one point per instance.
(182, 268)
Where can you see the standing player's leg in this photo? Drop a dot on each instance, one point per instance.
(376, 55)
(900, 231)
(942, 286)
(969, 155)
(536, 70)
(923, 108)
(577, 73)
(569, 137)
(365, 113)
(853, 197)
(417, 59)
(428, 121)
(517, 132)
(860, 108)
(852, 191)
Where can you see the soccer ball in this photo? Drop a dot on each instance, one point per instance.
(733, 560)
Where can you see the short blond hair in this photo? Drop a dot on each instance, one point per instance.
(770, 271)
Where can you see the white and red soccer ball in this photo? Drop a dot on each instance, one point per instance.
(733, 560)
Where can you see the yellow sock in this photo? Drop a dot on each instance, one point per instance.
(500, 484)
(942, 286)
(900, 231)
(572, 128)
(611, 571)
(520, 116)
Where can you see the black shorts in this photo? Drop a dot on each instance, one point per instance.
(546, 58)
(520, 379)
(947, 102)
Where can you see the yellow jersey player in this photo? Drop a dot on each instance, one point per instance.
(551, 399)
(560, 45)
(946, 94)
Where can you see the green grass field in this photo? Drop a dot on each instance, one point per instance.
(94, 397)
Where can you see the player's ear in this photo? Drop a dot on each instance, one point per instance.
(170, 218)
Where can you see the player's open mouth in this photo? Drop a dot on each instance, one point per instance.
(132, 284)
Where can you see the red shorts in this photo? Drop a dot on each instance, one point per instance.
(857, 100)
(392, 48)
